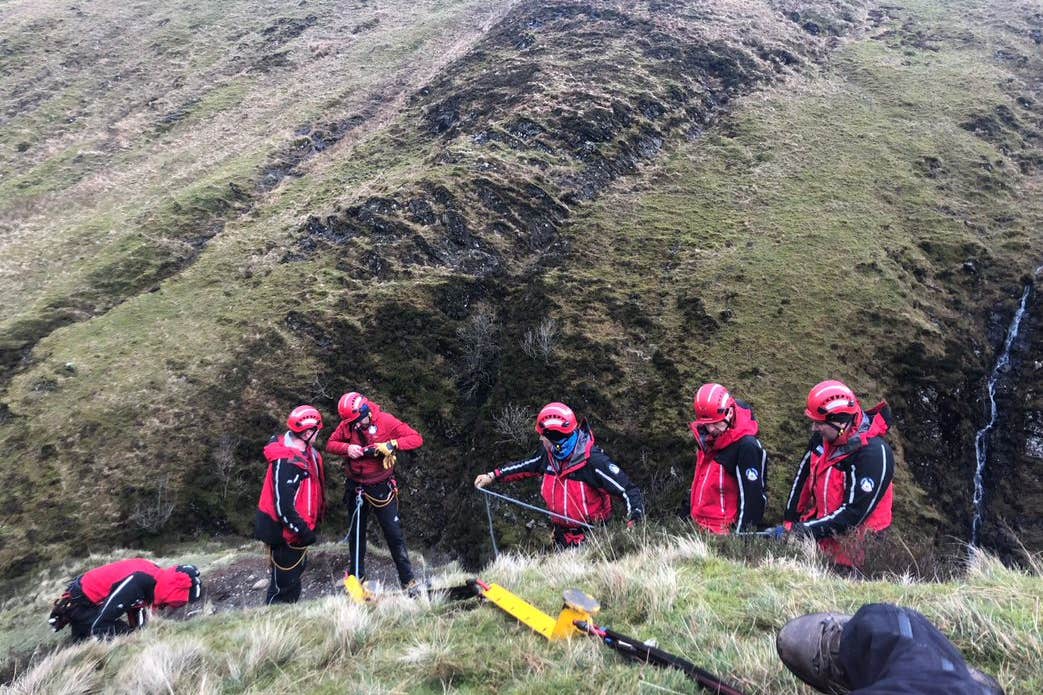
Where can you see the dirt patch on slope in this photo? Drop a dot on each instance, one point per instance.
(244, 582)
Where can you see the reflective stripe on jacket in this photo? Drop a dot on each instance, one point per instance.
(304, 480)
(728, 488)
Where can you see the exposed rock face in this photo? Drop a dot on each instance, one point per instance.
(1014, 477)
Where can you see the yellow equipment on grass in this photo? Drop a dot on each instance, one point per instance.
(357, 591)
(577, 606)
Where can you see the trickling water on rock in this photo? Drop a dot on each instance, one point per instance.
(981, 439)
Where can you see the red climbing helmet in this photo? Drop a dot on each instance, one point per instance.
(555, 418)
(711, 404)
(352, 406)
(303, 418)
(832, 400)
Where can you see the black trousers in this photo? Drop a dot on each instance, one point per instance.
(889, 650)
(381, 500)
(286, 566)
(84, 622)
(85, 617)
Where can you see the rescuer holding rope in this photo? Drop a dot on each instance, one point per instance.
(578, 477)
(842, 490)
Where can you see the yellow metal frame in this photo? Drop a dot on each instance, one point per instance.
(577, 606)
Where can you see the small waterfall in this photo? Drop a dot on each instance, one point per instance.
(981, 440)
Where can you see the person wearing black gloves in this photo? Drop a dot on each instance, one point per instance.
(578, 477)
(293, 501)
(842, 490)
(729, 488)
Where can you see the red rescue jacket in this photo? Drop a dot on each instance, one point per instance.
(571, 496)
(581, 486)
(715, 491)
(97, 583)
(383, 427)
(310, 499)
(835, 480)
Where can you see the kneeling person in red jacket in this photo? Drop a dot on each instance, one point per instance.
(369, 438)
(731, 466)
(96, 602)
(293, 501)
(578, 477)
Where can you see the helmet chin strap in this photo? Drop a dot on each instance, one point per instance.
(841, 429)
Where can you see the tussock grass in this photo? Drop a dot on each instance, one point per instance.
(168, 666)
(268, 644)
(350, 626)
(673, 587)
(71, 671)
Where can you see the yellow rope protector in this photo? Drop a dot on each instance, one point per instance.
(357, 592)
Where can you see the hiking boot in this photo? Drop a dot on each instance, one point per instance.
(810, 648)
(414, 589)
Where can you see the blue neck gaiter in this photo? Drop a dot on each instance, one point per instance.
(563, 449)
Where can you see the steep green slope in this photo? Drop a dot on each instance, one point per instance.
(391, 200)
(859, 224)
(721, 614)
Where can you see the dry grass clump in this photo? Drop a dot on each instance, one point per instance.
(70, 671)
(348, 626)
(644, 584)
(266, 644)
(167, 666)
(508, 567)
(722, 614)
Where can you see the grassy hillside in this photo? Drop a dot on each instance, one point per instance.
(213, 215)
(719, 613)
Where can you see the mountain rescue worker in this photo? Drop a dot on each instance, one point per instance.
(731, 466)
(842, 489)
(369, 438)
(293, 501)
(883, 649)
(95, 603)
(578, 476)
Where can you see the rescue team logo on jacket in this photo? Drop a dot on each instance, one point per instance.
(751, 474)
(867, 484)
